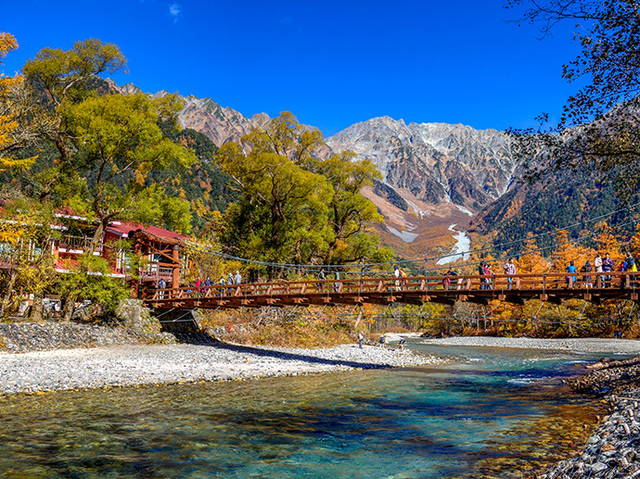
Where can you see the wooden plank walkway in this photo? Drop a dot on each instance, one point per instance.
(553, 287)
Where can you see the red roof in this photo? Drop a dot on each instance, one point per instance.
(123, 229)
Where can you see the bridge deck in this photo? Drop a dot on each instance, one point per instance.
(554, 287)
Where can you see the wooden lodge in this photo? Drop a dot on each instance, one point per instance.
(161, 249)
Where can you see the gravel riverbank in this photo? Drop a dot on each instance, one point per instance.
(155, 364)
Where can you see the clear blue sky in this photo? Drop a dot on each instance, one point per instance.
(332, 63)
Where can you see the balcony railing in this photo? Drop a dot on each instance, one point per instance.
(71, 243)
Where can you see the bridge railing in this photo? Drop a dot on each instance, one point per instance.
(395, 286)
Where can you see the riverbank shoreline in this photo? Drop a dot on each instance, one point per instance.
(55, 356)
(588, 345)
(135, 365)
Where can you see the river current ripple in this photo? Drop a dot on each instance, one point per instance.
(490, 413)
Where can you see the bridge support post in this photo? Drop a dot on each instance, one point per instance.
(175, 273)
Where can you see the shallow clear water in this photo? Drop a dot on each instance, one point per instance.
(493, 414)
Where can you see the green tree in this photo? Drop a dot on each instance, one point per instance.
(117, 141)
(281, 215)
(351, 214)
(107, 144)
(68, 77)
(295, 207)
(105, 148)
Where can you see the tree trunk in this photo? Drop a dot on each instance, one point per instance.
(69, 308)
(36, 309)
(13, 274)
(97, 236)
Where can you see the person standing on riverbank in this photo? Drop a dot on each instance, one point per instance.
(360, 338)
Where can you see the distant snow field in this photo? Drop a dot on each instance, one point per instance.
(405, 236)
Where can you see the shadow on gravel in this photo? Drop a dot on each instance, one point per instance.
(205, 339)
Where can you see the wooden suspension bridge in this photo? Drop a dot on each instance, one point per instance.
(552, 287)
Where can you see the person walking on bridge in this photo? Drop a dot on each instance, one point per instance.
(510, 270)
(607, 267)
(482, 272)
(490, 280)
(571, 280)
(597, 264)
(322, 277)
(631, 266)
(237, 279)
(222, 282)
(588, 282)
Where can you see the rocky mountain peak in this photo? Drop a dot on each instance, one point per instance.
(434, 162)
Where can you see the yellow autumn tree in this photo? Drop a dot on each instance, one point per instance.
(634, 242)
(13, 104)
(531, 260)
(7, 122)
(568, 251)
(607, 242)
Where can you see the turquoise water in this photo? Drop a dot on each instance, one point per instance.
(493, 413)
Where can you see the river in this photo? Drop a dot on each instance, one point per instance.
(489, 413)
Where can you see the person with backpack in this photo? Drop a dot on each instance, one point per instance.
(631, 266)
(588, 280)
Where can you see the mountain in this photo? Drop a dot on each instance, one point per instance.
(571, 189)
(435, 176)
(434, 162)
(220, 124)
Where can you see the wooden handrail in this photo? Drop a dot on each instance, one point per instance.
(527, 285)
